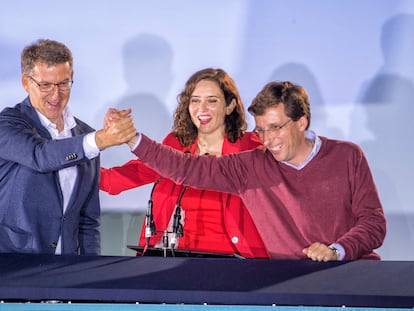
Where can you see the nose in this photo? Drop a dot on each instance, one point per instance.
(265, 137)
(54, 93)
(203, 106)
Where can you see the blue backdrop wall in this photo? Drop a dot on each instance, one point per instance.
(354, 57)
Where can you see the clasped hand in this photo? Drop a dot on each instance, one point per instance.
(118, 129)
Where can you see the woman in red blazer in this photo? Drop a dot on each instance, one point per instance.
(209, 120)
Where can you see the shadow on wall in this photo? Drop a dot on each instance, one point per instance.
(386, 103)
(147, 61)
(10, 74)
(9, 61)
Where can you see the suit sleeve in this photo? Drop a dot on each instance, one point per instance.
(22, 143)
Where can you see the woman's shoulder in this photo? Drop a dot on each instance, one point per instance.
(247, 142)
(172, 141)
(250, 140)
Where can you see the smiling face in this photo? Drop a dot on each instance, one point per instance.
(50, 104)
(208, 108)
(287, 143)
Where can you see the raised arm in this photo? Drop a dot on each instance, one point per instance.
(224, 173)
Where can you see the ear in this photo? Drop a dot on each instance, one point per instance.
(231, 106)
(302, 123)
(25, 83)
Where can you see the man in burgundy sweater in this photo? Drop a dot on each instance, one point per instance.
(309, 196)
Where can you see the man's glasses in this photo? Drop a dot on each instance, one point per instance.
(48, 87)
(274, 129)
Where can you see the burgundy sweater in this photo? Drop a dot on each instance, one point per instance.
(333, 199)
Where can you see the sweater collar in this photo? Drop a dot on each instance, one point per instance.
(310, 135)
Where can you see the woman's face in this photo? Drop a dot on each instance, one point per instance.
(208, 108)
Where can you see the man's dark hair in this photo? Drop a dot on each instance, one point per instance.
(292, 96)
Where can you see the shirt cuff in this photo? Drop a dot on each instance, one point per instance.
(89, 146)
(139, 138)
(340, 249)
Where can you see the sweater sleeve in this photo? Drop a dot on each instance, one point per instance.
(226, 173)
(369, 231)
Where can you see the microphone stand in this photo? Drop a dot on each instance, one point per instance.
(165, 242)
(149, 219)
(178, 230)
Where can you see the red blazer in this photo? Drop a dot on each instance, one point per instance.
(238, 224)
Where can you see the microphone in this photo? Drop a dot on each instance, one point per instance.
(178, 230)
(149, 218)
(165, 242)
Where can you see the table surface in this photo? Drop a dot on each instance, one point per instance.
(212, 281)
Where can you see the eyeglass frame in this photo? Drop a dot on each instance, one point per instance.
(52, 85)
(273, 128)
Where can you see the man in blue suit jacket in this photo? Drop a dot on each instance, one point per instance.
(49, 161)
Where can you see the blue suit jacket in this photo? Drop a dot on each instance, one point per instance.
(31, 202)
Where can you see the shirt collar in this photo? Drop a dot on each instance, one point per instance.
(68, 120)
(310, 135)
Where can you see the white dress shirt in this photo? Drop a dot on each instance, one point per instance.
(67, 176)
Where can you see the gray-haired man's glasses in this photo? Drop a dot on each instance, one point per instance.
(48, 87)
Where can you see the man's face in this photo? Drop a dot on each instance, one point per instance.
(282, 136)
(49, 103)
